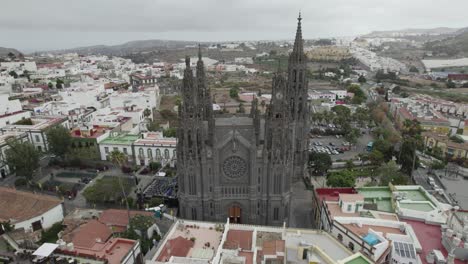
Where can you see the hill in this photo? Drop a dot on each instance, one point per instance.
(6, 51)
(412, 32)
(454, 45)
(129, 47)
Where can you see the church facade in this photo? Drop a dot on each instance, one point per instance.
(242, 166)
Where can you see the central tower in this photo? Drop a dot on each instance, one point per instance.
(241, 166)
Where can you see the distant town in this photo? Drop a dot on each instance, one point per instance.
(340, 151)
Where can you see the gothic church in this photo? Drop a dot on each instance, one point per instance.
(242, 166)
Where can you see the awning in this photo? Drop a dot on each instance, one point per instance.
(45, 250)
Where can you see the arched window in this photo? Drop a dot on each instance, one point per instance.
(150, 153)
(174, 152)
(166, 154)
(158, 153)
(340, 237)
(141, 152)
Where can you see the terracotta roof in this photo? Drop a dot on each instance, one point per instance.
(351, 197)
(87, 235)
(178, 247)
(238, 239)
(273, 247)
(116, 217)
(248, 256)
(18, 206)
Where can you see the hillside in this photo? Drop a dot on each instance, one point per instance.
(129, 47)
(456, 45)
(5, 51)
(411, 32)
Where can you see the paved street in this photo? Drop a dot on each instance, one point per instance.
(301, 215)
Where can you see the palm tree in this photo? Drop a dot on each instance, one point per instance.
(120, 159)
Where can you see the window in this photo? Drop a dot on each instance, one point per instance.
(125, 150)
(166, 154)
(37, 138)
(194, 213)
(340, 237)
(158, 153)
(150, 153)
(350, 207)
(351, 246)
(141, 152)
(116, 149)
(106, 150)
(39, 148)
(276, 214)
(174, 152)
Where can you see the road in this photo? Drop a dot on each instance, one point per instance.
(301, 206)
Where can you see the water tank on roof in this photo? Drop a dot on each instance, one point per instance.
(449, 233)
(456, 241)
(70, 247)
(430, 258)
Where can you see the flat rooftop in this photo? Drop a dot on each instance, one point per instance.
(430, 237)
(122, 139)
(328, 244)
(195, 240)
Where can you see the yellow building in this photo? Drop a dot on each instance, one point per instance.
(449, 148)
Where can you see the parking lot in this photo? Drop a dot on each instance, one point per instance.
(337, 147)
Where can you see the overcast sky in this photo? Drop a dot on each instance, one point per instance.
(30, 25)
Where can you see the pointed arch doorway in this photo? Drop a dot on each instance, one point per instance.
(235, 214)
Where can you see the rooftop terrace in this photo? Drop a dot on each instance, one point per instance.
(121, 139)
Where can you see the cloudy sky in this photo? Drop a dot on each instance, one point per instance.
(30, 25)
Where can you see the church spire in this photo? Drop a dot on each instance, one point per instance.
(199, 52)
(298, 49)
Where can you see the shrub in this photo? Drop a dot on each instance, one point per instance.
(21, 182)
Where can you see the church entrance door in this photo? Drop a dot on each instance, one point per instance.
(235, 214)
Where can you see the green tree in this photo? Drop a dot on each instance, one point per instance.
(170, 132)
(408, 155)
(146, 112)
(376, 157)
(451, 84)
(437, 165)
(320, 162)
(153, 126)
(154, 166)
(390, 173)
(359, 95)
(352, 136)
(50, 85)
(349, 164)
(385, 147)
(13, 74)
(107, 189)
(234, 93)
(22, 157)
(362, 79)
(341, 110)
(342, 178)
(59, 84)
(59, 141)
(361, 116)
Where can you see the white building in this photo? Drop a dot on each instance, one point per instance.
(29, 211)
(147, 99)
(153, 146)
(11, 111)
(37, 131)
(19, 66)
